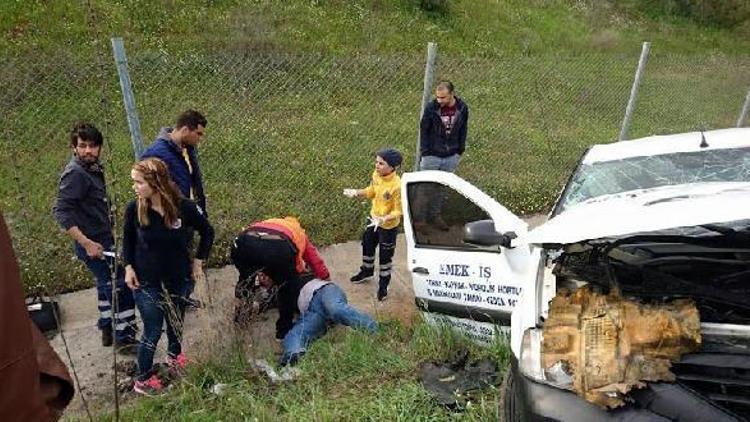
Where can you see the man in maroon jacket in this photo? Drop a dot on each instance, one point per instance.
(36, 384)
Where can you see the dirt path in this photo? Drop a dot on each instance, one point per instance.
(207, 329)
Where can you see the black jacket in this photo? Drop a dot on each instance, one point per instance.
(159, 253)
(432, 137)
(82, 200)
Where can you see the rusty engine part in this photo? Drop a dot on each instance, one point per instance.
(608, 345)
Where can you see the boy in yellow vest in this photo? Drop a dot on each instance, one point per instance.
(385, 216)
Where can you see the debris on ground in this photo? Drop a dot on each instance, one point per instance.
(127, 367)
(219, 388)
(606, 345)
(287, 373)
(452, 382)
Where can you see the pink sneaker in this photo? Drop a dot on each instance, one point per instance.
(150, 387)
(178, 362)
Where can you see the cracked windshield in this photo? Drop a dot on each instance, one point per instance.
(643, 173)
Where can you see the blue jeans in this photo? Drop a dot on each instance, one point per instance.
(328, 305)
(102, 271)
(432, 196)
(433, 162)
(158, 304)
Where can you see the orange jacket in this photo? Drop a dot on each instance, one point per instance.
(306, 251)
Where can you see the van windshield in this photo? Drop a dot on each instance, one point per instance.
(636, 173)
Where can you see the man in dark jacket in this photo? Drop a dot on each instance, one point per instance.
(82, 209)
(442, 141)
(177, 148)
(443, 130)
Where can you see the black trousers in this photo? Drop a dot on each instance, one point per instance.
(385, 240)
(276, 258)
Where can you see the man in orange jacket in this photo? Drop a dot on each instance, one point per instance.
(281, 249)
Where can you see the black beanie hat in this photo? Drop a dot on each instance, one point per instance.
(391, 156)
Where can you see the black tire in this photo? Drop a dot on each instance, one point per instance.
(511, 412)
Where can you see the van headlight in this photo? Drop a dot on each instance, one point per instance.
(530, 362)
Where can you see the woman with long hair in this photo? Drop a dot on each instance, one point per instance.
(157, 230)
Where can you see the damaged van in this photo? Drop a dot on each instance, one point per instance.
(631, 302)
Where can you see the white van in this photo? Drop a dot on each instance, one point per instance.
(657, 219)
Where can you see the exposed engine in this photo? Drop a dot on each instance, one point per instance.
(608, 345)
(628, 309)
(708, 264)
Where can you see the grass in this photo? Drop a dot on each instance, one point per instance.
(344, 376)
(289, 130)
(298, 95)
(495, 27)
(287, 133)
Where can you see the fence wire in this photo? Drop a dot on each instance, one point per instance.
(287, 132)
(43, 98)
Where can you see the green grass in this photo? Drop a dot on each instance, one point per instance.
(345, 376)
(288, 130)
(494, 27)
(287, 133)
(298, 95)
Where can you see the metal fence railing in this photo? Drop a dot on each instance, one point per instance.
(287, 132)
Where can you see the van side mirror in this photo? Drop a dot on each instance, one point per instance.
(482, 233)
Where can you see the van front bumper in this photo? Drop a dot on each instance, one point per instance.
(657, 402)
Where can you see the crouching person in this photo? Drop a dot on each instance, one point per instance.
(157, 230)
(281, 249)
(321, 304)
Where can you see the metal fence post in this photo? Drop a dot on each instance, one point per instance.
(634, 91)
(429, 74)
(743, 113)
(128, 99)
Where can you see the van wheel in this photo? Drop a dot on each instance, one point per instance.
(511, 413)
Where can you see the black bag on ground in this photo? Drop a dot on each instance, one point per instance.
(45, 313)
(453, 382)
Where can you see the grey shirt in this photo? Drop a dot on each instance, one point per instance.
(307, 292)
(82, 200)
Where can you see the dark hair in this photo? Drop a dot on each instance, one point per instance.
(445, 84)
(391, 156)
(190, 118)
(87, 132)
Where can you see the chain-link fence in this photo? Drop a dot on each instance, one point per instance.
(42, 98)
(287, 133)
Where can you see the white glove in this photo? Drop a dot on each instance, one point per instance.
(351, 193)
(375, 222)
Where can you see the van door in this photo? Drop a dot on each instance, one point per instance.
(468, 286)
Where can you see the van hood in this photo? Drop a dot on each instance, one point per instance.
(646, 211)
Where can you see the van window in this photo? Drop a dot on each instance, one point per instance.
(438, 215)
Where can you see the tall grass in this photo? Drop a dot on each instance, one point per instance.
(347, 375)
(495, 27)
(287, 131)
